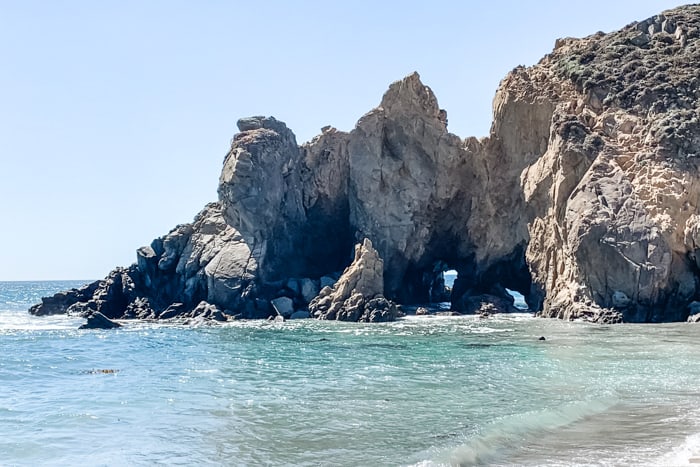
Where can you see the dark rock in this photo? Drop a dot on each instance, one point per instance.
(602, 316)
(301, 314)
(283, 306)
(694, 312)
(484, 304)
(379, 310)
(99, 321)
(60, 302)
(173, 311)
(208, 311)
(140, 308)
(309, 290)
(327, 281)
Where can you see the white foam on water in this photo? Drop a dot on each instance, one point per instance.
(507, 434)
(688, 453)
(11, 320)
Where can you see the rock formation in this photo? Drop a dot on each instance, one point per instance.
(584, 198)
(359, 293)
(97, 320)
(206, 261)
(613, 201)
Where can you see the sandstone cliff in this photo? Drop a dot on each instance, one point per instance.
(584, 198)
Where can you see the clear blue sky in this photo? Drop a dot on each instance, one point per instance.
(115, 116)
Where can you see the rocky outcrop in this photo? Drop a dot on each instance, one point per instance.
(206, 261)
(358, 294)
(584, 198)
(288, 203)
(614, 199)
(61, 301)
(399, 178)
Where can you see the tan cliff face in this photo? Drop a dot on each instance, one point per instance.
(584, 197)
(612, 200)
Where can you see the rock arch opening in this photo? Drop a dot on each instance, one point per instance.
(506, 284)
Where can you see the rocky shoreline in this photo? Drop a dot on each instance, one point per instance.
(584, 198)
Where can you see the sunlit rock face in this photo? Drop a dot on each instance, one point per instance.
(399, 178)
(584, 197)
(613, 203)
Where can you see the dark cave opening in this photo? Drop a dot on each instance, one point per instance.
(459, 281)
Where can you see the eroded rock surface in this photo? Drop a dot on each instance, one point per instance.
(584, 198)
(358, 294)
(289, 203)
(206, 261)
(613, 202)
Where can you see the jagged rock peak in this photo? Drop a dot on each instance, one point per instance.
(261, 122)
(365, 275)
(411, 92)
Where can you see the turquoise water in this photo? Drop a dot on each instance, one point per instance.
(421, 391)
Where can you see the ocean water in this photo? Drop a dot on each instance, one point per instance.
(420, 391)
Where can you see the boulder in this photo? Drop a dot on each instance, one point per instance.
(175, 310)
(694, 312)
(327, 281)
(484, 304)
(208, 311)
(301, 314)
(309, 289)
(140, 308)
(294, 286)
(603, 316)
(99, 321)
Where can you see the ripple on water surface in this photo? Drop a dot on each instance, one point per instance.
(423, 390)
